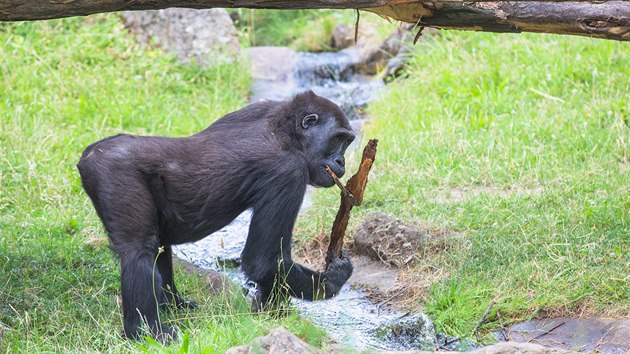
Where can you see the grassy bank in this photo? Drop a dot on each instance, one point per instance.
(518, 145)
(63, 85)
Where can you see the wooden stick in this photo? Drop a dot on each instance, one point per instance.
(344, 191)
(546, 332)
(351, 195)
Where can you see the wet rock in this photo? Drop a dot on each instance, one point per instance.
(343, 36)
(281, 341)
(586, 334)
(382, 237)
(278, 341)
(499, 348)
(414, 332)
(205, 36)
(372, 274)
(519, 348)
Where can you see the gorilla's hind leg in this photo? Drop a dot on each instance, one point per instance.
(171, 295)
(141, 295)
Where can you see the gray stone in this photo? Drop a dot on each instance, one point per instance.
(343, 36)
(205, 36)
(273, 72)
(382, 237)
(611, 336)
(281, 341)
(519, 348)
(278, 341)
(414, 332)
(499, 348)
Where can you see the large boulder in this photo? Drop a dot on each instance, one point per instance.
(204, 36)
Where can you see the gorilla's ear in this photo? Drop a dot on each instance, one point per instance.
(309, 120)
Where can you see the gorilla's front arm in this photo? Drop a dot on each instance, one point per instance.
(266, 258)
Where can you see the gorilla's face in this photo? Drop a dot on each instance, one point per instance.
(327, 134)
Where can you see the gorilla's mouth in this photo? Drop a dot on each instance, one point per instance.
(331, 174)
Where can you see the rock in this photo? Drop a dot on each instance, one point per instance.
(588, 334)
(217, 282)
(414, 332)
(281, 341)
(519, 348)
(272, 63)
(273, 72)
(206, 36)
(382, 237)
(499, 348)
(243, 349)
(372, 274)
(343, 36)
(278, 341)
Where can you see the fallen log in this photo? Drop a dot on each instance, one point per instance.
(601, 19)
(351, 195)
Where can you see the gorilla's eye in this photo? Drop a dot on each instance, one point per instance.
(309, 120)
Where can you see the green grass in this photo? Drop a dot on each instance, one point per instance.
(63, 85)
(537, 128)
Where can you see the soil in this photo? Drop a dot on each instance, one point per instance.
(383, 251)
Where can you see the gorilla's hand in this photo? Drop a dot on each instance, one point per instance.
(338, 273)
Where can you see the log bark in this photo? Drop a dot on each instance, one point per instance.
(351, 195)
(601, 19)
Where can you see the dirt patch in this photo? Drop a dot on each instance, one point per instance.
(580, 334)
(388, 258)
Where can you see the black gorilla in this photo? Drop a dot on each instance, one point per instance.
(154, 192)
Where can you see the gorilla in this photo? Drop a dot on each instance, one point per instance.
(154, 192)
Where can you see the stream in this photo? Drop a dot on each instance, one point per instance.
(349, 318)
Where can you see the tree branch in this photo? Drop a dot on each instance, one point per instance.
(601, 19)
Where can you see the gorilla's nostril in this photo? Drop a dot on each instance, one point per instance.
(340, 161)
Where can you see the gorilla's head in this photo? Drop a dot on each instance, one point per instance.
(325, 134)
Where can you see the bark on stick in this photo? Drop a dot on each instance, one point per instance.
(351, 195)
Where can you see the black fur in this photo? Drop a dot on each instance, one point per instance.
(154, 192)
